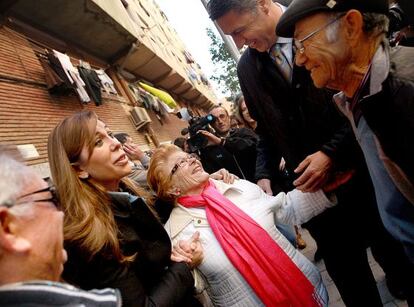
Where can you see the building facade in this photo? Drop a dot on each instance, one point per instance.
(130, 40)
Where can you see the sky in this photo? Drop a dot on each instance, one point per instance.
(190, 19)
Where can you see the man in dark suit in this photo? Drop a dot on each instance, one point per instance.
(296, 121)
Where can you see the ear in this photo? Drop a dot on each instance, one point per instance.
(264, 5)
(174, 192)
(353, 24)
(10, 238)
(82, 174)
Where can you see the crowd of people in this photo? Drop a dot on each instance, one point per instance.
(320, 137)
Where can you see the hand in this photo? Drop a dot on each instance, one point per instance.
(189, 251)
(315, 170)
(212, 139)
(338, 180)
(133, 152)
(265, 185)
(224, 175)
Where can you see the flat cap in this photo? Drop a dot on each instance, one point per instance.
(299, 9)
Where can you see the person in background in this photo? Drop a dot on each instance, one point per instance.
(31, 243)
(113, 238)
(298, 122)
(182, 143)
(140, 160)
(237, 225)
(233, 149)
(242, 113)
(345, 47)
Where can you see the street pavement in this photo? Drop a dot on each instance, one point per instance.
(334, 298)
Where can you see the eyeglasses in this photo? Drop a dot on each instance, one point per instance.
(51, 189)
(183, 161)
(298, 46)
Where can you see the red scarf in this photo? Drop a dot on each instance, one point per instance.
(271, 273)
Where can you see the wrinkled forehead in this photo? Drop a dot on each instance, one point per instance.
(176, 156)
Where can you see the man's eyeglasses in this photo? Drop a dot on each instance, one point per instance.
(51, 189)
(298, 46)
(183, 161)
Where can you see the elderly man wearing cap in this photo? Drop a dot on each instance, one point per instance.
(343, 44)
(297, 121)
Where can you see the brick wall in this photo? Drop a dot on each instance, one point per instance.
(28, 112)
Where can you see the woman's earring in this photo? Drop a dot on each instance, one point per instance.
(177, 191)
(83, 175)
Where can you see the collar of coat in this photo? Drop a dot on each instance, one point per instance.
(181, 217)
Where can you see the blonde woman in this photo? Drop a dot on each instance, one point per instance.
(112, 237)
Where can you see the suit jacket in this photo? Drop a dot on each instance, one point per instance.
(294, 120)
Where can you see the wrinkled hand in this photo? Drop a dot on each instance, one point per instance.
(224, 175)
(265, 185)
(315, 170)
(338, 180)
(133, 152)
(212, 139)
(189, 251)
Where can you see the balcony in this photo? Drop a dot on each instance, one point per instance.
(104, 31)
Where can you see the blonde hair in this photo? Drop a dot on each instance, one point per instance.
(89, 222)
(158, 178)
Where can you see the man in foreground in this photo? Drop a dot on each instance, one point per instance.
(296, 121)
(31, 244)
(343, 44)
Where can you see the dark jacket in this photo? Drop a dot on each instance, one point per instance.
(390, 113)
(294, 120)
(151, 279)
(237, 155)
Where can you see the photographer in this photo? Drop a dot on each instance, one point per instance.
(233, 149)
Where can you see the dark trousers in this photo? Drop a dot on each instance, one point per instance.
(343, 234)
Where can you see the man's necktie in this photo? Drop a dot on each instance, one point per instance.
(281, 60)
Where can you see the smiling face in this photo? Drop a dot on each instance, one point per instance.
(43, 229)
(326, 60)
(189, 176)
(255, 29)
(107, 163)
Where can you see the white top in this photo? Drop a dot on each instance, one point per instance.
(225, 285)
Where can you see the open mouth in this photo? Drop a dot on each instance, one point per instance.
(196, 169)
(121, 160)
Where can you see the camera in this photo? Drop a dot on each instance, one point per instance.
(197, 140)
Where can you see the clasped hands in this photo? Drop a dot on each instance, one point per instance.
(189, 251)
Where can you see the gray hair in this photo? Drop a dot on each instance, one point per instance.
(374, 25)
(218, 8)
(14, 176)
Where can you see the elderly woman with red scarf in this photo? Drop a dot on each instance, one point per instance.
(247, 261)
